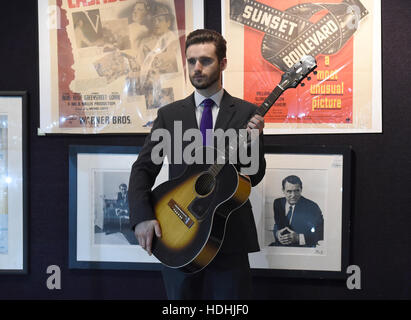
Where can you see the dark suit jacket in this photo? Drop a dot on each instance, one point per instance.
(307, 219)
(122, 202)
(241, 234)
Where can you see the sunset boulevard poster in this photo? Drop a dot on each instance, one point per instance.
(107, 66)
(344, 96)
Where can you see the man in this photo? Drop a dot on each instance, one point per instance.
(159, 49)
(228, 275)
(122, 201)
(298, 221)
(158, 54)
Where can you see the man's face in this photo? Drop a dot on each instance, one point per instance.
(123, 190)
(203, 66)
(292, 192)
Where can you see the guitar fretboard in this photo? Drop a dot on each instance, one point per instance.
(231, 150)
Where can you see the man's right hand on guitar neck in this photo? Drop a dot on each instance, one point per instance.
(144, 233)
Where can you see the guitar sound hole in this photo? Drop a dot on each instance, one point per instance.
(205, 184)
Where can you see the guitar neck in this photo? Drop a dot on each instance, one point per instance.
(262, 110)
(267, 104)
(290, 79)
(269, 101)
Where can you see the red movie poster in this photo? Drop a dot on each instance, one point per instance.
(276, 34)
(327, 97)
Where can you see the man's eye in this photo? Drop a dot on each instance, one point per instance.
(203, 61)
(191, 61)
(206, 61)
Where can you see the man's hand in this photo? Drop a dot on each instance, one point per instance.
(286, 236)
(256, 122)
(144, 233)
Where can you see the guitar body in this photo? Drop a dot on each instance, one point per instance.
(192, 211)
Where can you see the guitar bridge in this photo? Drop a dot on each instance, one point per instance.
(180, 213)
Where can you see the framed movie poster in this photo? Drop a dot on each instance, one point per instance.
(302, 210)
(344, 96)
(107, 66)
(100, 236)
(13, 185)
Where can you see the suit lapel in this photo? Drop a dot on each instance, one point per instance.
(226, 112)
(190, 112)
(283, 213)
(299, 212)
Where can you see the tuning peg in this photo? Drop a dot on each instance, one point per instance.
(308, 78)
(315, 72)
(302, 84)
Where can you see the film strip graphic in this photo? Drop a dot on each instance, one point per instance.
(290, 34)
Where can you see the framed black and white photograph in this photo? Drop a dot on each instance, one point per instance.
(302, 210)
(100, 235)
(13, 185)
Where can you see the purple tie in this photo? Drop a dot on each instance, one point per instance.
(206, 120)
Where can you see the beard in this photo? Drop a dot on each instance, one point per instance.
(201, 81)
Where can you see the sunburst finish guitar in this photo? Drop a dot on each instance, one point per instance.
(193, 209)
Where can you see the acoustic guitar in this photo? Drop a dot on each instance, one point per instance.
(193, 209)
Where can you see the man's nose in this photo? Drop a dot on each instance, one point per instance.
(198, 66)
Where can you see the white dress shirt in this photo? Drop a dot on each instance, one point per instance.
(216, 97)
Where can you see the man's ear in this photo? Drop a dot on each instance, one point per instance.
(223, 64)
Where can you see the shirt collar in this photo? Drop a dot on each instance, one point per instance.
(216, 97)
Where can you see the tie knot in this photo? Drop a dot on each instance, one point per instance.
(208, 103)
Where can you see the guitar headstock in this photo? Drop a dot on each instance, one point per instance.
(297, 73)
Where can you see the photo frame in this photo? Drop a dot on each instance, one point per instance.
(13, 182)
(100, 236)
(107, 67)
(344, 94)
(319, 222)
